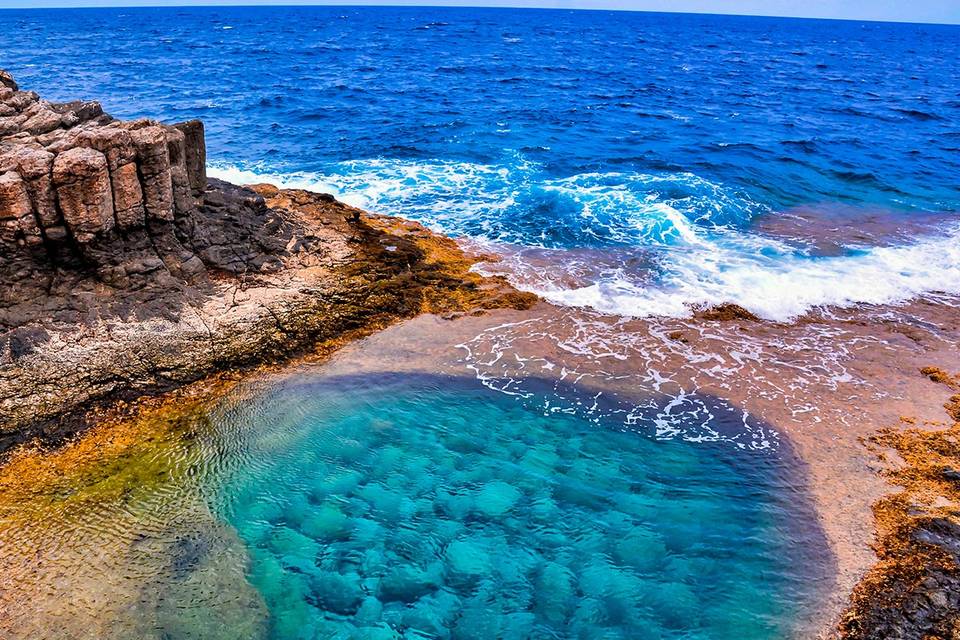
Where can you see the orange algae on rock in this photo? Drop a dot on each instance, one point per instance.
(937, 374)
(430, 272)
(913, 591)
(109, 461)
(726, 312)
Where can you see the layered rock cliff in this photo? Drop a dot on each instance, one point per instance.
(80, 189)
(124, 270)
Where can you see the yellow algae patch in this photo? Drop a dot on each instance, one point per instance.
(912, 591)
(120, 455)
(108, 538)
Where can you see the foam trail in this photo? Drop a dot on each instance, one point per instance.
(781, 288)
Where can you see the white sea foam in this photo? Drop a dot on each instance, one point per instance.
(700, 252)
(778, 288)
(442, 194)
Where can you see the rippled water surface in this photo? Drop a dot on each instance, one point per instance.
(411, 506)
(441, 509)
(661, 145)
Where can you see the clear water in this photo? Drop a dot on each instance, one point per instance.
(662, 145)
(397, 506)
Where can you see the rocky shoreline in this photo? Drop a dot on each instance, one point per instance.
(126, 272)
(913, 591)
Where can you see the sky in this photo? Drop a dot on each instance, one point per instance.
(939, 11)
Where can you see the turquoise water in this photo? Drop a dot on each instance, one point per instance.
(389, 507)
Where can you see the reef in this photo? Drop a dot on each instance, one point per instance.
(914, 589)
(125, 271)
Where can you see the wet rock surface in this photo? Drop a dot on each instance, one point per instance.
(124, 270)
(913, 592)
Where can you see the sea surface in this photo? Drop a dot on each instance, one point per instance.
(604, 468)
(635, 163)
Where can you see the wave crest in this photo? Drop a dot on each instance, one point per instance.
(662, 244)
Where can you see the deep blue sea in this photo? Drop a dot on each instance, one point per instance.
(666, 151)
(638, 164)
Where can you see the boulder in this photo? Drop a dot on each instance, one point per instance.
(6, 80)
(43, 121)
(339, 593)
(10, 125)
(408, 583)
(79, 110)
(496, 499)
(21, 100)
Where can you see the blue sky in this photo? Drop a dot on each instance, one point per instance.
(942, 11)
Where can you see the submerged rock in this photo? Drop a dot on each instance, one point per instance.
(433, 616)
(642, 549)
(336, 592)
(375, 633)
(467, 558)
(496, 499)
(408, 583)
(369, 612)
(285, 541)
(326, 523)
(555, 593)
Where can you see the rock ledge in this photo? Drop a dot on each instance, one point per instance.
(125, 271)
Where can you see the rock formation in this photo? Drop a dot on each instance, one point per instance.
(125, 271)
(79, 188)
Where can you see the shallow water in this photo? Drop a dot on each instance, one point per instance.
(387, 505)
(438, 508)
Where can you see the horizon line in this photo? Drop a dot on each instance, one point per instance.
(519, 6)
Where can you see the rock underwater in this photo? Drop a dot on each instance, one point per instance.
(124, 270)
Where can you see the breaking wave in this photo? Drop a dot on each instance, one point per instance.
(630, 244)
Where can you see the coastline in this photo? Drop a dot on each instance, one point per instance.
(323, 274)
(246, 323)
(119, 457)
(414, 347)
(846, 465)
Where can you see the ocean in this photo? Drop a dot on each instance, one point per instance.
(619, 464)
(634, 163)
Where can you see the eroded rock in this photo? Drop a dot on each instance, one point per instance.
(101, 192)
(82, 181)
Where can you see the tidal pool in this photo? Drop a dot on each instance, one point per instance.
(315, 506)
(422, 507)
